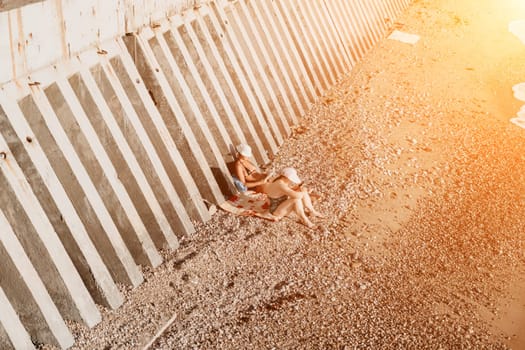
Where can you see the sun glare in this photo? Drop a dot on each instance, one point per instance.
(517, 28)
(516, 5)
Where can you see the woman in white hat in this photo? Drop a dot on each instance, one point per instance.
(246, 175)
(288, 194)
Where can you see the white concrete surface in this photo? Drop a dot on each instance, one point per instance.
(16, 336)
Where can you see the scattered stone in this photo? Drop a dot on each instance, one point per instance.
(450, 182)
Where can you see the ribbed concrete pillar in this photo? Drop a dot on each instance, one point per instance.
(238, 40)
(13, 335)
(390, 8)
(370, 20)
(208, 132)
(193, 76)
(336, 55)
(280, 56)
(301, 41)
(309, 38)
(262, 66)
(149, 66)
(277, 78)
(221, 79)
(205, 77)
(320, 51)
(238, 82)
(336, 52)
(41, 243)
(181, 189)
(382, 17)
(348, 32)
(164, 213)
(78, 125)
(109, 119)
(290, 47)
(366, 29)
(189, 89)
(26, 292)
(56, 204)
(73, 176)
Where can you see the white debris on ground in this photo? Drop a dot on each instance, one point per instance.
(519, 94)
(406, 38)
(421, 176)
(518, 29)
(519, 91)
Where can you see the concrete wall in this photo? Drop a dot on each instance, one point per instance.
(36, 34)
(116, 124)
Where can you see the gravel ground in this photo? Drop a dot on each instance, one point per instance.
(420, 174)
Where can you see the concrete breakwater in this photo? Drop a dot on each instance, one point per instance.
(116, 124)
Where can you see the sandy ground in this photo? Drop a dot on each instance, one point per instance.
(422, 178)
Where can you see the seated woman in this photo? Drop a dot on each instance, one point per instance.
(288, 194)
(246, 175)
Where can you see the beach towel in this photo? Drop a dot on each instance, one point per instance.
(248, 204)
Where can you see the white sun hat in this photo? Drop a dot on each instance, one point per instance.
(291, 174)
(244, 150)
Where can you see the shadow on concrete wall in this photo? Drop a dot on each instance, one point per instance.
(223, 180)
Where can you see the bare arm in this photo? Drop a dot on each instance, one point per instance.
(239, 172)
(241, 175)
(292, 193)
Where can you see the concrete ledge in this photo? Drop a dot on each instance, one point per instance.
(7, 5)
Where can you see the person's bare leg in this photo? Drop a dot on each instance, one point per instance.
(299, 210)
(307, 202)
(284, 209)
(297, 206)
